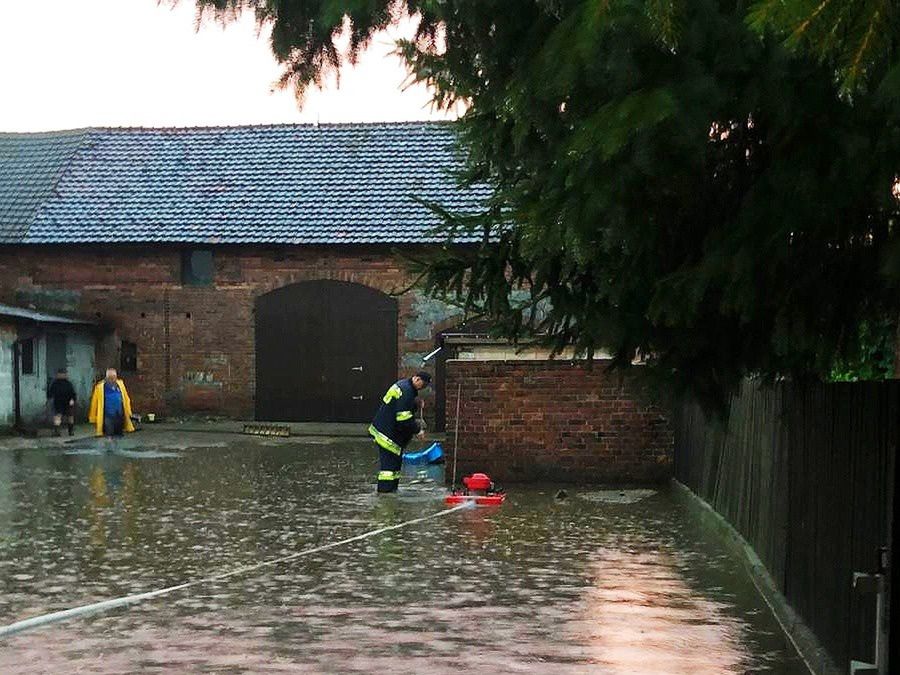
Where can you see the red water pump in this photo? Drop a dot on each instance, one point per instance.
(479, 488)
(478, 483)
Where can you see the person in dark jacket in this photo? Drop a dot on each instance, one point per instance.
(394, 426)
(62, 394)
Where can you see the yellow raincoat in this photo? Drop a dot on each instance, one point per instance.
(95, 416)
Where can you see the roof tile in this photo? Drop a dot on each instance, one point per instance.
(297, 184)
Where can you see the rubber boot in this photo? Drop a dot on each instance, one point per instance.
(71, 430)
(389, 475)
(387, 486)
(56, 432)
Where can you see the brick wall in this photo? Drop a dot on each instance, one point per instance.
(196, 349)
(556, 421)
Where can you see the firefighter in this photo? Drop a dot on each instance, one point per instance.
(394, 426)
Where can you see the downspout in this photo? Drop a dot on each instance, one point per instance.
(17, 407)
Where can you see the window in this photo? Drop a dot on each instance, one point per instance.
(129, 357)
(27, 356)
(197, 267)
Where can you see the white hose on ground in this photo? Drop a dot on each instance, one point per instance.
(104, 605)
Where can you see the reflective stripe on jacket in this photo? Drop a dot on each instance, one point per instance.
(394, 424)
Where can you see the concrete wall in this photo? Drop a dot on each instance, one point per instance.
(202, 336)
(528, 420)
(7, 400)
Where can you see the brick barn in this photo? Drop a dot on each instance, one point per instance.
(243, 271)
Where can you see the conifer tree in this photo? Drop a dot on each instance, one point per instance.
(670, 178)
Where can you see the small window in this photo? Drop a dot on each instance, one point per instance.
(129, 357)
(27, 356)
(197, 267)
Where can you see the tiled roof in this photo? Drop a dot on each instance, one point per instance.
(286, 184)
(30, 166)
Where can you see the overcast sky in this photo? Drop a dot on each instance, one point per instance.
(75, 63)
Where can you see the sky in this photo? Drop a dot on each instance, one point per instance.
(68, 64)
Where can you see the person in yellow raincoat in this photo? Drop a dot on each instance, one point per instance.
(110, 411)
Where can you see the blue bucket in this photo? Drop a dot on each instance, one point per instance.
(433, 454)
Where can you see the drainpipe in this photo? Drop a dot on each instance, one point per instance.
(17, 408)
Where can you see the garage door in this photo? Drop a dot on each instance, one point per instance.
(326, 351)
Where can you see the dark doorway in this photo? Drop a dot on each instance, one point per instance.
(56, 354)
(326, 351)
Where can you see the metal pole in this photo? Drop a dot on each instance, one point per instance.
(456, 433)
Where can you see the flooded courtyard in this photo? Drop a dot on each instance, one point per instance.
(604, 581)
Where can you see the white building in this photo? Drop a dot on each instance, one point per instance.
(33, 346)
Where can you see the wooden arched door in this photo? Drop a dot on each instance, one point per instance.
(326, 351)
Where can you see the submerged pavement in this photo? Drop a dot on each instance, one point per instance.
(607, 580)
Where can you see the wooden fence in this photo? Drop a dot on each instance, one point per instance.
(805, 474)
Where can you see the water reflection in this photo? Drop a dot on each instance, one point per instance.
(612, 585)
(641, 606)
(97, 504)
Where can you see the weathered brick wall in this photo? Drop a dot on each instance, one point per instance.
(555, 421)
(209, 363)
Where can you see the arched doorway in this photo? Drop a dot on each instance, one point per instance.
(326, 351)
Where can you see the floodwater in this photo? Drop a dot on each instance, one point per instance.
(604, 581)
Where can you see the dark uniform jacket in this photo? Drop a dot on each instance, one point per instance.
(61, 391)
(395, 424)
